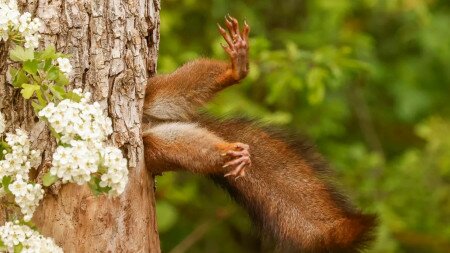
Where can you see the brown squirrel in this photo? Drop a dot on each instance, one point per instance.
(284, 187)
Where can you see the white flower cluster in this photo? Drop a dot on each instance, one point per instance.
(84, 129)
(81, 120)
(2, 123)
(116, 176)
(13, 23)
(77, 162)
(64, 65)
(13, 234)
(27, 196)
(21, 159)
(17, 165)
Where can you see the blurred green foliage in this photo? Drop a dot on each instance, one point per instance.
(367, 80)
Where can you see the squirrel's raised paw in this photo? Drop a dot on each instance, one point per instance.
(241, 160)
(237, 46)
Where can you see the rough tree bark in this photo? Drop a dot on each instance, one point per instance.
(114, 46)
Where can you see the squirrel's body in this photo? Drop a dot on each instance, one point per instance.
(285, 190)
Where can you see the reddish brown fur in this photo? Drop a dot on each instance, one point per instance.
(288, 195)
(286, 190)
(201, 78)
(202, 151)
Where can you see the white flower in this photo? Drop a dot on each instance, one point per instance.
(21, 159)
(23, 21)
(76, 162)
(116, 175)
(10, 14)
(83, 129)
(13, 23)
(27, 196)
(64, 65)
(12, 234)
(18, 188)
(32, 41)
(75, 121)
(2, 124)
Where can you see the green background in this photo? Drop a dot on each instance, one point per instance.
(368, 81)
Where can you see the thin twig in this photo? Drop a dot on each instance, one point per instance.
(192, 238)
(367, 126)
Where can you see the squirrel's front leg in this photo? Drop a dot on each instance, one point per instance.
(178, 95)
(186, 146)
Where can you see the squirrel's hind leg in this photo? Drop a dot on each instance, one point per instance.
(187, 146)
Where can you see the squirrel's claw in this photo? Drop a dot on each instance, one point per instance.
(241, 160)
(238, 172)
(237, 46)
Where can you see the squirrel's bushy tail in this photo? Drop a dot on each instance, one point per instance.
(353, 233)
(296, 228)
(288, 195)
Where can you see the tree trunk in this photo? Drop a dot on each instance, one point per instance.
(114, 47)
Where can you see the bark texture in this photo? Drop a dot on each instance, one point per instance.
(114, 45)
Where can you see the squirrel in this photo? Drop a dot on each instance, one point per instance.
(283, 186)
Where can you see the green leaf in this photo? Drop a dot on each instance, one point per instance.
(96, 189)
(62, 79)
(57, 91)
(102, 169)
(13, 72)
(30, 224)
(61, 55)
(49, 179)
(37, 107)
(48, 54)
(73, 96)
(18, 248)
(316, 95)
(31, 67)
(105, 189)
(94, 186)
(41, 99)
(101, 189)
(277, 90)
(6, 181)
(19, 77)
(28, 90)
(316, 85)
(21, 54)
(4, 147)
(296, 83)
(53, 73)
(3, 247)
(316, 77)
(54, 133)
(47, 65)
